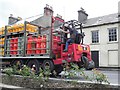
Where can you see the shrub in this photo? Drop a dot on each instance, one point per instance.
(99, 77)
(8, 71)
(25, 71)
(72, 70)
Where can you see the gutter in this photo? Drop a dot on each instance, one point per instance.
(100, 24)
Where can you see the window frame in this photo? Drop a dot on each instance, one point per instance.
(95, 42)
(111, 36)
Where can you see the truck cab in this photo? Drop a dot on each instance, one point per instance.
(77, 51)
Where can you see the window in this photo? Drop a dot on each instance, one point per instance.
(95, 37)
(112, 34)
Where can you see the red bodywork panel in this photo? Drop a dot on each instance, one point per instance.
(73, 54)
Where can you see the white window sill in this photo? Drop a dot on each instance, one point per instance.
(95, 44)
(112, 42)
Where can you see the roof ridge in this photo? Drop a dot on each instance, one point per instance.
(103, 16)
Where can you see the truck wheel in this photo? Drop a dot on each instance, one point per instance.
(48, 64)
(18, 63)
(58, 69)
(84, 62)
(34, 66)
(91, 65)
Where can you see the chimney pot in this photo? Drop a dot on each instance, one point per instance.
(13, 20)
(82, 15)
(11, 15)
(48, 10)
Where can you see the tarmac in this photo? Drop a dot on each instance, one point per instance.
(109, 68)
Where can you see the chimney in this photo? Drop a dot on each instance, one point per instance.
(82, 15)
(48, 10)
(13, 20)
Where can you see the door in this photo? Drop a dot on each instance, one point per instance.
(113, 58)
(95, 58)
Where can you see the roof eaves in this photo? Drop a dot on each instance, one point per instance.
(101, 24)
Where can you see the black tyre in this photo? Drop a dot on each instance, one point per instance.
(18, 63)
(58, 69)
(91, 65)
(84, 62)
(34, 66)
(48, 64)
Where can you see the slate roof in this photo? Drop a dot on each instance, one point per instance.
(103, 20)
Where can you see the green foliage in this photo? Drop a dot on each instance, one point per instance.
(71, 70)
(74, 66)
(8, 71)
(41, 74)
(82, 73)
(65, 69)
(33, 76)
(15, 69)
(25, 71)
(100, 77)
(54, 73)
(46, 73)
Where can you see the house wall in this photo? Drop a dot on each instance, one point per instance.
(119, 34)
(107, 50)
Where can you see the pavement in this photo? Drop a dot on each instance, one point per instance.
(108, 69)
(9, 86)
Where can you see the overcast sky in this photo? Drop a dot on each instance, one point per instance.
(67, 8)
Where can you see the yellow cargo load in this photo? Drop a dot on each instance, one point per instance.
(2, 41)
(20, 27)
(31, 28)
(2, 30)
(1, 51)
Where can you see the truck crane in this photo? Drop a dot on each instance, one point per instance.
(40, 45)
